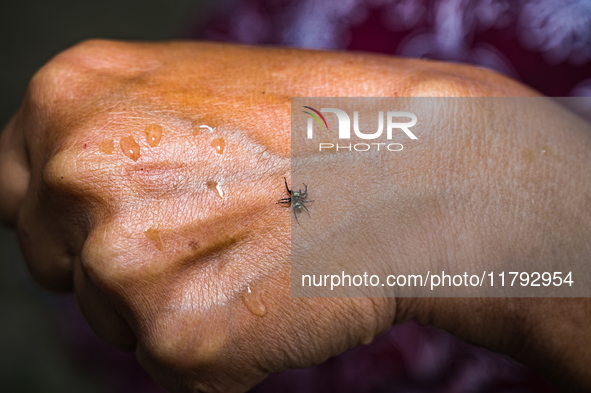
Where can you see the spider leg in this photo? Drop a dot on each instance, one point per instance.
(288, 190)
(306, 190)
(285, 200)
(296, 217)
(307, 211)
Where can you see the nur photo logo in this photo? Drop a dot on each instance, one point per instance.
(395, 121)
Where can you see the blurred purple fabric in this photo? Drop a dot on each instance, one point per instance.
(544, 43)
(409, 359)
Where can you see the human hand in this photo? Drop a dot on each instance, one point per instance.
(171, 239)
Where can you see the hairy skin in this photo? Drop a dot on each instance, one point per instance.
(199, 286)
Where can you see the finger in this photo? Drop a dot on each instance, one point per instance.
(14, 173)
(100, 314)
(44, 245)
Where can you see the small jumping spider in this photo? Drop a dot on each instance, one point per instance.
(297, 200)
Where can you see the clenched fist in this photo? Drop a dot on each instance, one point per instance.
(145, 177)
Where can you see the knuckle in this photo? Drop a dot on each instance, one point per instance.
(454, 80)
(117, 58)
(93, 45)
(81, 72)
(443, 85)
(174, 344)
(68, 172)
(114, 260)
(56, 85)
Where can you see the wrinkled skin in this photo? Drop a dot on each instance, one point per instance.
(197, 285)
